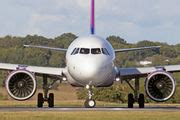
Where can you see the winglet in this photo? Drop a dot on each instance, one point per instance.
(92, 17)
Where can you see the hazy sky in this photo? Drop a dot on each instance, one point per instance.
(133, 20)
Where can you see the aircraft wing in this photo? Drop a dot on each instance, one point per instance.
(136, 49)
(144, 71)
(45, 47)
(34, 69)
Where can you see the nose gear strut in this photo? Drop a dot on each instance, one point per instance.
(90, 102)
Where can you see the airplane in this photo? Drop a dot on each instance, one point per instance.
(89, 64)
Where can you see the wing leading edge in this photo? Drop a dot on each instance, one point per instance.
(44, 47)
(34, 69)
(136, 49)
(144, 71)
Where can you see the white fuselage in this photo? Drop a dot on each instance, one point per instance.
(90, 62)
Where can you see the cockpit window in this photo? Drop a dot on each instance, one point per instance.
(75, 51)
(84, 51)
(95, 51)
(105, 51)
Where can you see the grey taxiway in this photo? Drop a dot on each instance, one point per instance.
(69, 109)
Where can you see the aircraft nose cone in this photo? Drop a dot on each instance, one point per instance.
(89, 71)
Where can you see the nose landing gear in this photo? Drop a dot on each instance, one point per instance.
(90, 102)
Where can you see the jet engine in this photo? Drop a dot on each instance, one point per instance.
(21, 85)
(160, 86)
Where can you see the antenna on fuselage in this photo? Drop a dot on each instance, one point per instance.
(92, 17)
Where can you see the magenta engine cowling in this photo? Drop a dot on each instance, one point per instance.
(160, 86)
(21, 84)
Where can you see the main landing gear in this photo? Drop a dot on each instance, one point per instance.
(139, 98)
(90, 102)
(42, 99)
(49, 98)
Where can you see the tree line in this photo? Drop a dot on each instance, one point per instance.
(12, 51)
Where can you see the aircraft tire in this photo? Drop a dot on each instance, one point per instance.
(130, 100)
(40, 100)
(141, 101)
(51, 100)
(90, 103)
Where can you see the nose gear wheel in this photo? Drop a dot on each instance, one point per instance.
(90, 102)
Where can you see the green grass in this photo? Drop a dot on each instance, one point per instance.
(91, 115)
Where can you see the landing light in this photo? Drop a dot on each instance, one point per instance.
(87, 86)
(117, 79)
(64, 78)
